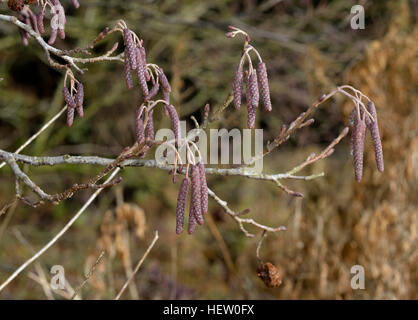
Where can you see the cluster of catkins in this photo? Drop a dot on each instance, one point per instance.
(360, 122)
(198, 200)
(256, 89)
(135, 60)
(27, 16)
(74, 102)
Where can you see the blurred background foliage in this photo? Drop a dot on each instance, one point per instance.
(309, 48)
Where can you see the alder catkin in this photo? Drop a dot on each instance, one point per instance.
(139, 126)
(196, 199)
(192, 221)
(149, 129)
(127, 72)
(153, 91)
(144, 63)
(374, 132)
(53, 36)
(264, 86)
(166, 98)
(203, 188)
(70, 116)
(237, 88)
(164, 81)
(248, 97)
(251, 116)
(175, 122)
(253, 87)
(79, 99)
(130, 51)
(24, 37)
(181, 205)
(359, 135)
(68, 98)
(141, 74)
(34, 21)
(40, 21)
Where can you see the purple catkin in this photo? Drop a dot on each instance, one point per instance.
(139, 126)
(351, 120)
(374, 132)
(24, 36)
(192, 221)
(203, 188)
(181, 205)
(68, 98)
(359, 135)
(40, 21)
(34, 21)
(251, 117)
(53, 36)
(70, 116)
(153, 91)
(130, 47)
(144, 63)
(128, 74)
(253, 87)
(166, 98)
(149, 129)
(196, 198)
(76, 4)
(249, 92)
(237, 88)
(141, 74)
(79, 99)
(264, 86)
(175, 122)
(164, 81)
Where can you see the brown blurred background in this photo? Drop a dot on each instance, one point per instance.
(309, 48)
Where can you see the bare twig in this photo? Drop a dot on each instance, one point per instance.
(58, 235)
(88, 275)
(34, 136)
(126, 284)
(71, 61)
(241, 221)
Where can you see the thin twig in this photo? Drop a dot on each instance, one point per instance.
(59, 234)
(34, 136)
(126, 284)
(88, 275)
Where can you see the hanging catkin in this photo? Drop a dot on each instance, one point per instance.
(181, 205)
